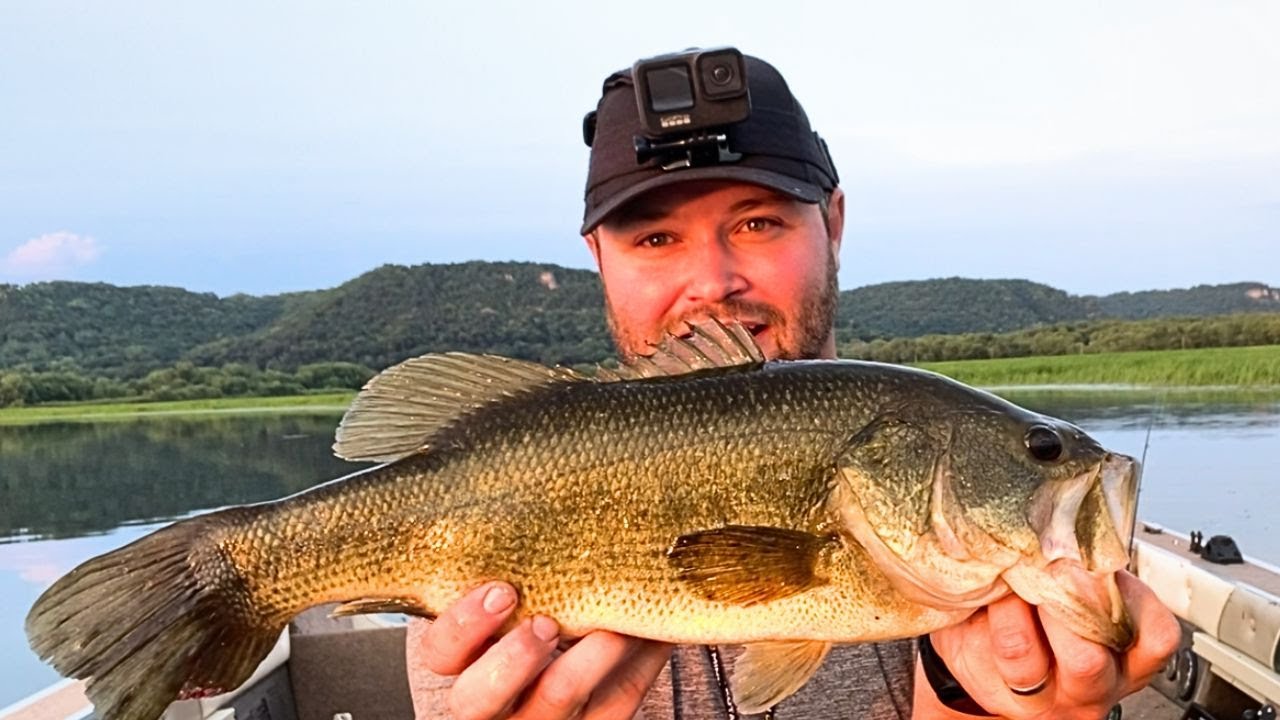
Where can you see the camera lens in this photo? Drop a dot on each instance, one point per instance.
(721, 75)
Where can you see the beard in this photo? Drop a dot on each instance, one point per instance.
(802, 337)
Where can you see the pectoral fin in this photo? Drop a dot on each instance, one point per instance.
(746, 565)
(365, 606)
(769, 672)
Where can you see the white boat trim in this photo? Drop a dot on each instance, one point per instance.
(68, 686)
(1235, 667)
(1191, 593)
(1229, 609)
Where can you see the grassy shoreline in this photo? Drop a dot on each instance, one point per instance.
(1236, 367)
(75, 412)
(1189, 373)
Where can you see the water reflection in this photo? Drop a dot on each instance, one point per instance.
(26, 569)
(71, 491)
(64, 480)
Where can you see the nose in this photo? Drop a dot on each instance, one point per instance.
(714, 272)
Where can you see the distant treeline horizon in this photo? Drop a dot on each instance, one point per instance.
(67, 341)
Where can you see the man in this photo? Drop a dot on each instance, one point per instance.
(754, 239)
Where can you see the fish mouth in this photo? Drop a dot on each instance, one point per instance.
(1121, 481)
(1085, 525)
(1089, 518)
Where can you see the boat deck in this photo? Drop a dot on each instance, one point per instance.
(1257, 573)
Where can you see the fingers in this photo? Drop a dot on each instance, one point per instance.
(630, 682)
(494, 682)
(575, 684)
(602, 675)
(1018, 648)
(1085, 673)
(1011, 645)
(1158, 632)
(463, 631)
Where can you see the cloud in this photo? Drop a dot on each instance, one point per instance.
(39, 566)
(50, 255)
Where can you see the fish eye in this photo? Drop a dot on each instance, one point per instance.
(1044, 443)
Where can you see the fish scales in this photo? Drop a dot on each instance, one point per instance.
(565, 493)
(665, 459)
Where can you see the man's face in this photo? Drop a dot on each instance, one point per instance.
(732, 251)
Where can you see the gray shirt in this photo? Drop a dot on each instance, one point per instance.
(873, 681)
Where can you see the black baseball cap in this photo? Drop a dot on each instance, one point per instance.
(778, 148)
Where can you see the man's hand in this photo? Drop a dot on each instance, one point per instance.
(1003, 647)
(520, 674)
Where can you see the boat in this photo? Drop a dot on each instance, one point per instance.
(353, 668)
(1227, 666)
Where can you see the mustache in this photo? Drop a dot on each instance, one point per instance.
(747, 311)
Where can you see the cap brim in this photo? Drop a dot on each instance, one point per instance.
(784, 184)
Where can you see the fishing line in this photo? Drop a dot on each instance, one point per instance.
(1142, 464)
(1151, 422)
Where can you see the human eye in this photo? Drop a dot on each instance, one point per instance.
(760, 224)
(654, 240)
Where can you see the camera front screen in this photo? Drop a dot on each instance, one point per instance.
(669, 88)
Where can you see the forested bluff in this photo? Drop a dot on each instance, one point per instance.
(69, 341)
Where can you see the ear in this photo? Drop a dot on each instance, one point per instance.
(835, 223)
(593, 244)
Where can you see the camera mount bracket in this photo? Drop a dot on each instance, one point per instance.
(708, 148)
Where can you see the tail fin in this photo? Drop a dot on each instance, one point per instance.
(162, 619)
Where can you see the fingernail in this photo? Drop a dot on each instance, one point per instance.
(545, 628)
(498, 599)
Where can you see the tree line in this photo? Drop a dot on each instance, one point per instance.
(1101, 336)
(181, 381)
(185, 380)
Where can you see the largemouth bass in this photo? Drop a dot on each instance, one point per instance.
(700, 495)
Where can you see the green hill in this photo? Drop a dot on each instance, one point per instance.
(952, 305)
(122, 331)
(1199, 300)
(536, 311)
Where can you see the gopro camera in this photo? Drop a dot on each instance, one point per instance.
(692, 91)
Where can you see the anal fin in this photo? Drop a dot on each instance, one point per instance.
(366, 606)
(769, 672)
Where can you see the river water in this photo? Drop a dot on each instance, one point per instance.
(70, 491)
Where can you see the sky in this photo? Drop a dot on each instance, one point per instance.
(270, 147)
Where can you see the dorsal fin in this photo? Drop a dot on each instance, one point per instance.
(403, 406)
(712, 345)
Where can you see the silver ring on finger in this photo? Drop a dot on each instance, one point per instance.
(1031, 689)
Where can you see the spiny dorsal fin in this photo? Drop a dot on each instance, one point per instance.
(769, 672)
(712, 345)
(403, 406)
